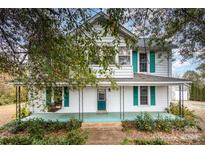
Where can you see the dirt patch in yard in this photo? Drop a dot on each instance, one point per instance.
(199, 110)
(115, 135)
(175, 137)
(7, 113)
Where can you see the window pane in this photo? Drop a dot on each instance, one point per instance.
(57, 94)
(143, 62)
(144, 95)
(124, 60)
(101, 94)
(123, 51)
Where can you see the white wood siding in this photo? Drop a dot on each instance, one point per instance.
(161, 64)
(161, 60)
(122, 72)
(112, 101)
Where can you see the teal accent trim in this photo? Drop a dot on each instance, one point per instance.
(135, 95)
(135, 61)
(152, 95)
(66, 97)
(48, 95)
(152, 61)
(101, 105)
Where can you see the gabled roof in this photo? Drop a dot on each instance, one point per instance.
(103, 15)
(141, 42)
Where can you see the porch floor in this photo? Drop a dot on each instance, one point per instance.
(96, 117)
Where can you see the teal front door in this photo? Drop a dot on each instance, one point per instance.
(101, 101)
(101, 105)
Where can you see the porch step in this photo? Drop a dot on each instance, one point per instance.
(102, 125)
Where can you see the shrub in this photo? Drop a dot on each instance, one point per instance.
(30, 125)
(16, 140)
(157, 141)
(76, 137)
(25, 112)
(126, 141)
(36, 129)
(54, 125)
(144, 122)
(202, 140)
(50, 141)
(18, 126)
(73, 124)
(163, 124)
(174, 109)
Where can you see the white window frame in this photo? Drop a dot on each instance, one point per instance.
(143, 62)
(148, 95)
(101, 89)
(125, 54)
(148, 64)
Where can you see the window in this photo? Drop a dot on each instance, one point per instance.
(144, 95)
(58, 95)
(124, 56)
(143, 62)
(101, 94)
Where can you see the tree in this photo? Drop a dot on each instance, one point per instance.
(57, 43)
(201, 69)
(191, 75)
(54, 45)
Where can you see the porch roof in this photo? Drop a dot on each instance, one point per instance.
(138, 79)
(147, 79)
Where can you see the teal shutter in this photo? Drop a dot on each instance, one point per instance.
(152, 61)
(152, 95)
(135, 95)
(66, 97)
(48, 95)
(135, 61)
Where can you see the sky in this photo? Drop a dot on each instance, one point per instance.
(179, 68)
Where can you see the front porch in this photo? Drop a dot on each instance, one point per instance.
(96, 117)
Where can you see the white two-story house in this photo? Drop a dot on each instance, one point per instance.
(144, 82)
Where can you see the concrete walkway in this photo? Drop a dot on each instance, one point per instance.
(104, 133)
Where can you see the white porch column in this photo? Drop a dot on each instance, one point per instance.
(52, 95)
(62, 97)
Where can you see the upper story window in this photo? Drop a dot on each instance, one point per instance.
(124, 56)
(143, 62)
(144, 95)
